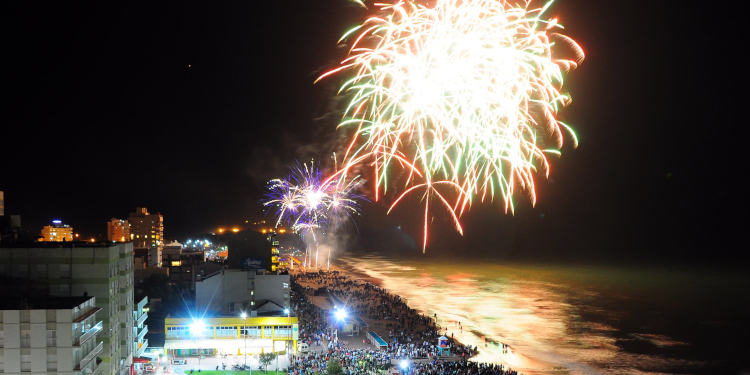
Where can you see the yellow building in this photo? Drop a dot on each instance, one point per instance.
(230, 335)
(118, 230)
(57, 232)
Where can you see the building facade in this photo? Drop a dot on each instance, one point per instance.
(230, 335)
(50, 335)
(147, 232)
(103, 270)
(57, 232)
(118, 230)
(2, 203)
(231, 291)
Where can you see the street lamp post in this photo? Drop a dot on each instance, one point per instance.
(196, 330)
(288, 312)
(244, 332)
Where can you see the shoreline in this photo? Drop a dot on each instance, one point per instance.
(485, 350)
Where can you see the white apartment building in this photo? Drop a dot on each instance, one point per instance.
(101, 270)
(50, 335)
(231, 291)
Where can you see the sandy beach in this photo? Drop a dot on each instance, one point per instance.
(488, 351)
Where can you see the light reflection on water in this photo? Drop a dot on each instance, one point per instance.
(545, 322)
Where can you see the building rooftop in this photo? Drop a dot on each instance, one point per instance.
(17, 302)
(52, 245)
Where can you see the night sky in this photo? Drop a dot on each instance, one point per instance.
(189, 107)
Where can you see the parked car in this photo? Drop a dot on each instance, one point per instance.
(303, 347)
(179, 361)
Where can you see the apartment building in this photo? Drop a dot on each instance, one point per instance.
(101, 270)
(49, 335)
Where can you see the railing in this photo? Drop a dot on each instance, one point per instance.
(91, 356)
(139, 349)
(141, 319)
(142, 303)
(89, 334)
(142, 333)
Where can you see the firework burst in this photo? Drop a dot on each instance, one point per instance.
(463, 95)
(310, 205)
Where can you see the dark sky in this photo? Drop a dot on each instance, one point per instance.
(188, 107)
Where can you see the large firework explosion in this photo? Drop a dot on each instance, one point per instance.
(461, 94)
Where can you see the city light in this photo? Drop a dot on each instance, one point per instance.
(197, 327)
(404, 364)
(286, 311)
(340, 314)
(235, 230)
(57, 221)
(220, 230)
(243, 315)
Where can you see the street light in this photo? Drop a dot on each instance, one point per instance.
(340, 314)
(244, 330)
(288, 313)
(404, 365)
(196, 330)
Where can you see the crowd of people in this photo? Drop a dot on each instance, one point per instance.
(352, 361)
(408, 333)
(437, 367)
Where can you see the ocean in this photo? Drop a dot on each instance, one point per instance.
(563, 319)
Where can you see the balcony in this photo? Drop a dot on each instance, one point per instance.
(142, 333)
(141, 319)
(139, 348)
(90, 357)
(141, 304)
(86, 336)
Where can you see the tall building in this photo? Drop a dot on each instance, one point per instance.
(57, 232)
(49, 335)
(118, 230)
(102, 270)
(147, 232)
(274, 252)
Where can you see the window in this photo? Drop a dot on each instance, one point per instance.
(178, 331)
(250, 331)
(283, 331)
(226, 331)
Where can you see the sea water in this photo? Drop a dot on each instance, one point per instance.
(562, 319)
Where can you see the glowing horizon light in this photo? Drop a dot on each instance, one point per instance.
(458, 96)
